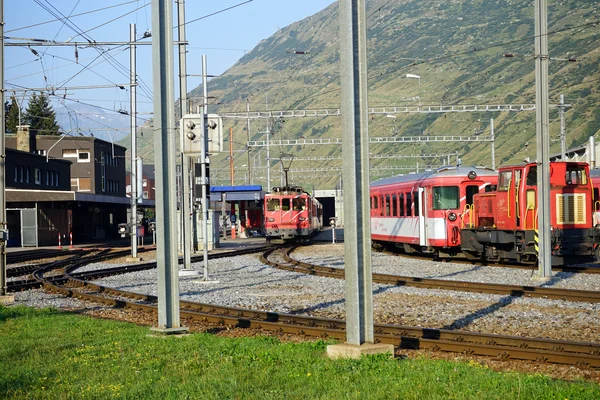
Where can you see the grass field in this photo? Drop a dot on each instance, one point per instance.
(49, 354)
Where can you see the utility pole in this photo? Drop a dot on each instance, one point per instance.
(355, 150)
(492, 143)
(268, 149)
(4, 296)
(204, 175)
(562, 107)
(164, 150)
(186, 209)
(543, 140)
(247, 140)
(134, 172)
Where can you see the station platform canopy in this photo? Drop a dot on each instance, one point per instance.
(237, 193)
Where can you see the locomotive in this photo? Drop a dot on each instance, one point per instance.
(505, 222)
(291, 214)
(425, 212)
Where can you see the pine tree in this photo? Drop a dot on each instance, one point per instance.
(40, 116)
(12, 109)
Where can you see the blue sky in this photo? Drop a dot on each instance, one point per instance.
(223, 37)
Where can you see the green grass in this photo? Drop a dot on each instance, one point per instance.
(48, 354)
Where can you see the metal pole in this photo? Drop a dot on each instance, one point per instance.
(248, 140)
(134, 171)
(355, 148)
(268, 150)
(164, 151)
(492, 143)
(204, 175)
(186, 209)
(563, 144)
(543, 140)
(4, 297)
(231, 155)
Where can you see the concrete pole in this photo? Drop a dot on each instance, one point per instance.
(204, 175)
(355, 150)
(134, 172)
(164, 157)
(543, 137)
(4, 296)
(492, 138)
(268, 150)
(186, 209)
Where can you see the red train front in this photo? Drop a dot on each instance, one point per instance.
(505, 223)
(291, 214)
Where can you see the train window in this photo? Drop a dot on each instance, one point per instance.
(530, 197)
(299, 204)
(471, 190)
(447, 197)
(576, 175)
(532, 176)
(504, 181)
(387, 205)
(408, 204)
(273, 205)
(394, 205)
(490, 188)
(416, 206)
(401, 202)
(285, 204)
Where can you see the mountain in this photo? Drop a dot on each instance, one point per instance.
(456, 48)
(90, 120)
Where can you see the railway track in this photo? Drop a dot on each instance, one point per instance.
(78, 285)
(587, 296)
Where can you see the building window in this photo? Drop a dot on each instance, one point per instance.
(83, 156)
(37, 175)
(144, 182)
(26, 174)
(85, 184)
(69, 153)
(145, 195)
(16, 175)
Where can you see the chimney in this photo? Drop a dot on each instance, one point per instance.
(25, 139)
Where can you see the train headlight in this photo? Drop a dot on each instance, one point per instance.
(472, 175)
(301, 219)
(271, 219)
(452, 216)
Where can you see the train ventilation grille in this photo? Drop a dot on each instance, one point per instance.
(570, 209)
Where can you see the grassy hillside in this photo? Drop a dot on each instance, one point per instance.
(457, 49)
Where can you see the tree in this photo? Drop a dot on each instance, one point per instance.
(12, 110)
(40, 116)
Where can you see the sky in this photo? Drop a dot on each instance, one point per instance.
(222, 30)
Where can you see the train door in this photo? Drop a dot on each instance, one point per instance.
(504, 198)
(420, 209)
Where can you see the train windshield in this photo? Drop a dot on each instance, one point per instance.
(576, 175)
(445, 197)
(273, 205)
(299, 204)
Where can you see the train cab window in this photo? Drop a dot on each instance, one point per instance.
(504, 181)
(408, 204)
(401, 203)
(299, 204)
(471, 190)
(285, 204)
(532, 177)
(490, 188)
(394, 205)
(576, 175)
(387, 205)
(447, 197)
(273, 205)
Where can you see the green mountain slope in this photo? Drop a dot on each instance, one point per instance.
(456, 47)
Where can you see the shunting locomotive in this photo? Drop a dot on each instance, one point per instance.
(505, 223)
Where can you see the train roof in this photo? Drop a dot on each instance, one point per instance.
(448, 171)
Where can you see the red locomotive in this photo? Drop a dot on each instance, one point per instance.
(505, 221)
(424, 212)
(291, 214)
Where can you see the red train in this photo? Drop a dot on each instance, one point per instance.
(291, 214)
(505, 221)
(424, 212)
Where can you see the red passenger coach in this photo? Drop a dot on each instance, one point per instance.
(424, 212)
(292, 214)
(506, 221)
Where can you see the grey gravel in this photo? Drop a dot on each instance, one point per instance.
(247, 283)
